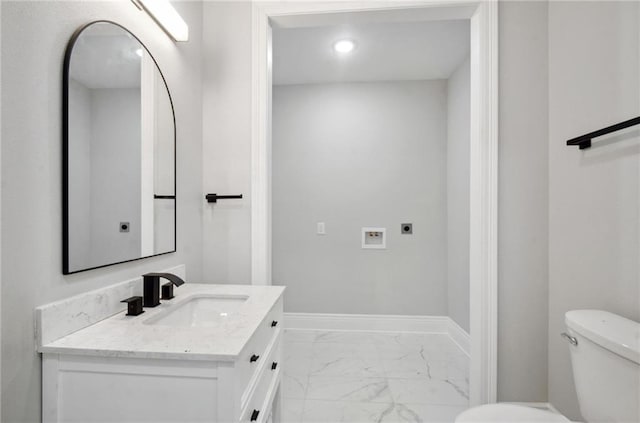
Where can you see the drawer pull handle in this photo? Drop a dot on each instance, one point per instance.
(274, 365)
(274, 323)
(254, 415)
(254, 358)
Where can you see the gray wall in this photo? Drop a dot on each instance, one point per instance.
(458, 137)
(34, 38)
(594, 203)
(359, 155)
(523, 203)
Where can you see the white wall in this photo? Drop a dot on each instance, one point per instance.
(34, 38)
(359, 155)
(226, 155)
(594, 202)
(458, 138)
(522, 202)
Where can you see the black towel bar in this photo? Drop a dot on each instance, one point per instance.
(584, 141)
(213, 198)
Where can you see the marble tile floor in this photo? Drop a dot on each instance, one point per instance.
(354, 377)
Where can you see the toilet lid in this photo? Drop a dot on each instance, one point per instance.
(508, 413)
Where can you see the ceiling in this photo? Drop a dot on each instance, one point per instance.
(384, 52)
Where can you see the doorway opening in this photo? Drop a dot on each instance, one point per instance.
(481, 18)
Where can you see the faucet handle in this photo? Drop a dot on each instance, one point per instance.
(134, 306)
(167, 291)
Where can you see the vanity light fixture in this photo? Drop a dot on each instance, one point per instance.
(166, 17)
(344, 46)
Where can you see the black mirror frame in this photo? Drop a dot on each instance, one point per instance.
(65, 152)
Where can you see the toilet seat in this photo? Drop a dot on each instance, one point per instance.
(508, 413)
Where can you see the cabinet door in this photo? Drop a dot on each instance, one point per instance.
(100, 390)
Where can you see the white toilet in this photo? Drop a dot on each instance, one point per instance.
(605, 356)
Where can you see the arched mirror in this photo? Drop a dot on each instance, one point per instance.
(119, 151)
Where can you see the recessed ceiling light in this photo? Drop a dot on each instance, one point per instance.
(139, 52)
(344, 46)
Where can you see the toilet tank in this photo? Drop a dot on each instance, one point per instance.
(606, 365)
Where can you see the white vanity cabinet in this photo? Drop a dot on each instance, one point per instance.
(149, 385)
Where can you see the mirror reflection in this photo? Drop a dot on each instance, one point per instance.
(119, 150)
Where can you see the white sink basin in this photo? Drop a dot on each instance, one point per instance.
(199, 311)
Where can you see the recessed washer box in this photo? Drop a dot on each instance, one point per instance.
(374, 238)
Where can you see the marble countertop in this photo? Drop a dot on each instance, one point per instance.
(129, 336)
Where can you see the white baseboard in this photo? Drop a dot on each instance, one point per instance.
(379, 323)
(552, 408)
(366, 322)
(459, 336)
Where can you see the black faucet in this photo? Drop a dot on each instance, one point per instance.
(151, 282)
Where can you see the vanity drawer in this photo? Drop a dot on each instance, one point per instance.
(259, 405)
(254, 354)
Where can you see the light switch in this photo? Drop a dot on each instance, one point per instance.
(320, 230)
